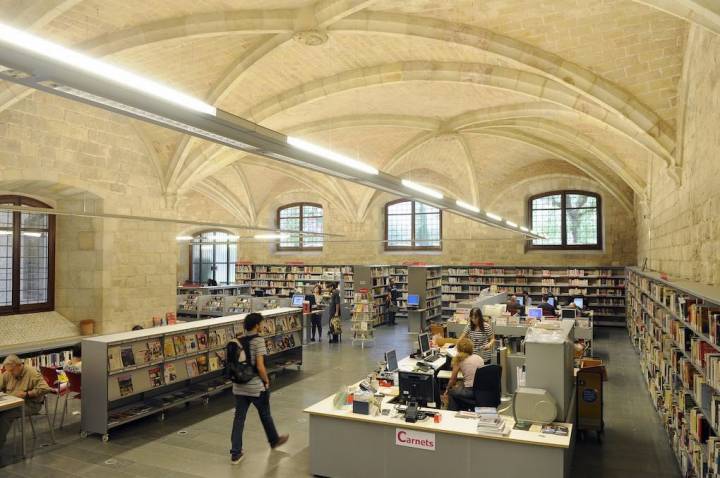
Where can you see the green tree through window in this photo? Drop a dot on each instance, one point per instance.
(569, 219)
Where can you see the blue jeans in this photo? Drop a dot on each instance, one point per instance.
(242, 403)
(460, 398)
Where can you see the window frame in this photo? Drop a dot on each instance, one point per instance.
(279, 247)
(214, 262)
(16, 307)
(412, 247)
(529, 246)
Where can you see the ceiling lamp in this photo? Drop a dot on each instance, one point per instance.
(423, 189)
(331, 155)
(467, 206)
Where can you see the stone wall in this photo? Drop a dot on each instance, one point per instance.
(464, 241)
(679, 224)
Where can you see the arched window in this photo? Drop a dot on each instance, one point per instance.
(305, 217)
(569, 219)
(27, 258)
(213, 255)
(412, 225)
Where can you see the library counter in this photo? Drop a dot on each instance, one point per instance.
(387, 446)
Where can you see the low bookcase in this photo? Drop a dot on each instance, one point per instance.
(131, 375)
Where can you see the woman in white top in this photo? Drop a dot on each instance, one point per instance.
(466, 362)
(481, 333)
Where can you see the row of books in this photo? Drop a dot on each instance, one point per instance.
(277, 325)
(280, 343)
(54, 359)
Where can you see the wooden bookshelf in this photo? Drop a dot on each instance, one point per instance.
(675, 327)
(131, 375)
(284, 279)
(602, 288)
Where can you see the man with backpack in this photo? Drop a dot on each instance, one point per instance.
(251, 385)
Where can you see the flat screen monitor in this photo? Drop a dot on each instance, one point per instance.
(535, 312)
(579, 302)
(297, 300)
(413, 300)
(520, 300)
(417, 386)
(551, 301)
(424, 340)
(568, 313)
(391, 360)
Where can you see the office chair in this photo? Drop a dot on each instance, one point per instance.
(487, 388)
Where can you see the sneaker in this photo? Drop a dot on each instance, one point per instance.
(235, 459)
(312, 339)
(281, 441)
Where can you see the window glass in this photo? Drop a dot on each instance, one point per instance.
(302, 218)
(6, 264)
(569, 219)
(412, 225)
(214, 255)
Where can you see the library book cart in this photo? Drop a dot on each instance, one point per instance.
(131, 375)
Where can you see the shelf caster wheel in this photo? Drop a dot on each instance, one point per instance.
(105, 438)
(83, 434)
(161, 417)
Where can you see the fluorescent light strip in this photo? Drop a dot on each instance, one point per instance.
(423, 189)
(109, 72)
(524, 229)
(32, 234)
(145, 114)
(184, 238)
(331, 155)
(272, 236)
(493, 216)
(6, 233)
(510, 223)
(467, 206)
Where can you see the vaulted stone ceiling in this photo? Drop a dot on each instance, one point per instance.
(464, 95)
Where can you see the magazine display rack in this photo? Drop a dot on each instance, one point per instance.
(131, 375)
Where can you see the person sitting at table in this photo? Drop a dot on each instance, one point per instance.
(21, 381)
(548, 309)
(466, 362)
(513, 306)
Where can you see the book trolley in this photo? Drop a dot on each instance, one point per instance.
(131, 375)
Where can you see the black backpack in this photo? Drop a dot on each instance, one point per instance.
(236, 371)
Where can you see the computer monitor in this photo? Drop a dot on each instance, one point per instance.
(568, 313)
(418, 387)
(424, 340)
(520, 300)
(579, 302)
(413, 301)
(391, 360)
(551, 301)
(535, 312)
(297, 300)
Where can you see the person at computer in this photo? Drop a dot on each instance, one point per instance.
(513, 307)
(481, 333)
(548, 309)
(22, 381)
(466, 362)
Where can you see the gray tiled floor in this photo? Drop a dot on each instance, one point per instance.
(634, 445)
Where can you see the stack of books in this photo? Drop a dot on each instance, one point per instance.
(490, 423)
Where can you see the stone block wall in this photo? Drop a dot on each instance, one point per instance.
(679, 224)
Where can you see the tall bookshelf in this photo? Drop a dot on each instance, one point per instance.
(374, 278)
(131, 375)
(675, 326)
(426, 281)
(602, 288)
(284, 279)
(400, 275)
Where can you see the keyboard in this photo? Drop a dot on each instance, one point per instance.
(433, 357)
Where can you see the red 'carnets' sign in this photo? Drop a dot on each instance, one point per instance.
(415, 439)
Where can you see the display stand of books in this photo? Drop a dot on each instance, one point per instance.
(363, 319)
(131, 375)
(675, 326)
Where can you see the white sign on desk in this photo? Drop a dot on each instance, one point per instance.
(415, 439)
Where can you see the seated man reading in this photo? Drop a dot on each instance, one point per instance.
(24, 382)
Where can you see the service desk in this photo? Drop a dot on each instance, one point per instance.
(348, 445)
